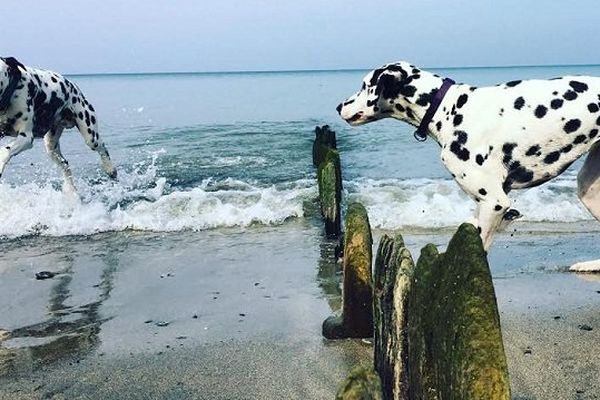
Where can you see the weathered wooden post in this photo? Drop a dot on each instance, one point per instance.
(361, 384)
(324, 140)
(437, 333)
(356, 320)
(392, 279)
(329, 178)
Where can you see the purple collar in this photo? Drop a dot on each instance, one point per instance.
(421, 132)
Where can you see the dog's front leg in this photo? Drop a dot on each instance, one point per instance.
(490, 212)
(23, 142)
(485, 188)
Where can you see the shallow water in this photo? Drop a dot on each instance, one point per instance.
(216, 187)
(207, 151)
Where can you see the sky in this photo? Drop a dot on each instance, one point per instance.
(110, 36)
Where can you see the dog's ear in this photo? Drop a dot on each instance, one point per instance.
(388, 86)
(13, 62)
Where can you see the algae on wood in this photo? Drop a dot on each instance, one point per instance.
(361, 384)
(324, 140)
(437, 328)
(329, 177)
(392, 284)
(455, 342)
(357, 310)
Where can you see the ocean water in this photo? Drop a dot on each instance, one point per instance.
(233, 150)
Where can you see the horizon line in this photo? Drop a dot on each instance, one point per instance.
(323, 70)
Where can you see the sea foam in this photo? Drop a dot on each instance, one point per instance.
(436, 203)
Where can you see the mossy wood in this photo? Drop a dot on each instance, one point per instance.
(329, 177)
(437, 328)
(324, 140)
(357, 311)
(361, 384)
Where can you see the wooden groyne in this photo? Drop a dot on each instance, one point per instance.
(437, 328)
(329, 177)
(356, 320)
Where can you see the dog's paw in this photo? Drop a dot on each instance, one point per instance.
(112, 174)
(512, 214)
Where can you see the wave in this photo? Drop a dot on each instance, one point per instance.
(435, 203)
(142, 200)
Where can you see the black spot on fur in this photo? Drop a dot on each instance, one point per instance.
(552, 157)
(567, 148)
(579, 139)
(458, 118)
(482, 192)
(579, 87)
(593, 107)
(438, 125)
(462, 99)
(513, 83)
(519, 103)
(479, 159)
(540, 111)
(570, 95)
(572, 125)
(516, 173)
(457, 148)
(532, 150)
(507, 149)
(556, 104)
(593, 133)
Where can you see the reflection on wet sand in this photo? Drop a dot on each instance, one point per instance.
(69, 331)
(329, 274)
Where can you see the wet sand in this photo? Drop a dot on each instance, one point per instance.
(237, 315)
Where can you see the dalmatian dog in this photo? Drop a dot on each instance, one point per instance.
(515, 135)
(40, 104)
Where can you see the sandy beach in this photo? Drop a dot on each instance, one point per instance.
(223, 315)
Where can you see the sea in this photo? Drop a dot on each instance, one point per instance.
(212, 232)
(208, 151)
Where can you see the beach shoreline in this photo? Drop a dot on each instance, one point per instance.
(237, 314)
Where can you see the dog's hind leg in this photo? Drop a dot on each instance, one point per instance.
(51, 140)
(85, 119)
(588, 190)
(24, 141)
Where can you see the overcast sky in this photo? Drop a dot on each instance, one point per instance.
(231, 35)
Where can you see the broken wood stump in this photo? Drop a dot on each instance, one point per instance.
(329, 179)
(437, 333)
(324, 140)
(356, 320)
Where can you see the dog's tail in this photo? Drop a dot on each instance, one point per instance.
(84, 117)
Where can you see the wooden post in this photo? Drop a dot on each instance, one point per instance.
(437, 333)
(357, 311)
(329, 177)
(392, 284)
(362, 384)
(324, 139)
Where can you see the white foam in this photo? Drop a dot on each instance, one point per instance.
(395, 204)
(141, 200)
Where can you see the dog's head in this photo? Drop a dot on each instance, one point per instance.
(389, 91)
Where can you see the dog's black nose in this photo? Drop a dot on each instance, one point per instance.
(339, 108)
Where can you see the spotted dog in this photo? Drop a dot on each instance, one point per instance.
(41, 104)
(515, 135)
